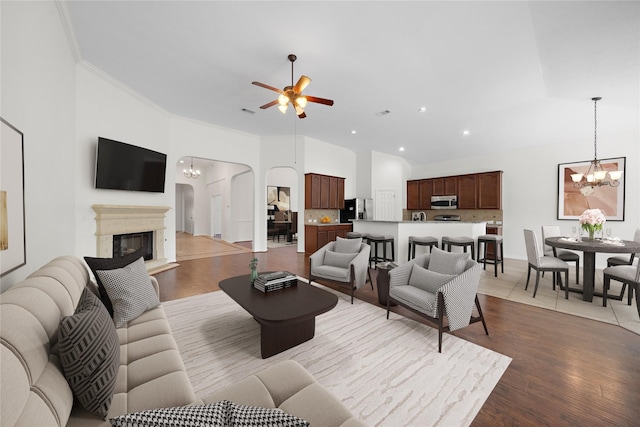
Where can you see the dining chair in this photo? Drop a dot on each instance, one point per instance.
(628, 275)
(563, 254)
(542, 263)
(624, 260)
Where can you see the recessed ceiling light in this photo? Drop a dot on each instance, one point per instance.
(353, 132)
(181, 161)
(422, 109)
(401, 149)
(466, 133)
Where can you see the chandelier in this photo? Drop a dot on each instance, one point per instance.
(596, 176)
(191, 172)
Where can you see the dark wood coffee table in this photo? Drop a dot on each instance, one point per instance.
(287, 316)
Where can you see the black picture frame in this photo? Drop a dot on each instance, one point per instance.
(13, 238)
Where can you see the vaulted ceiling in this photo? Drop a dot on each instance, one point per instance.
(513, 74)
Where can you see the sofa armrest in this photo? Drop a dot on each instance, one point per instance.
(360, 265)
(155, 284)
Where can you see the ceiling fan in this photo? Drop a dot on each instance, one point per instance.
(293, 94)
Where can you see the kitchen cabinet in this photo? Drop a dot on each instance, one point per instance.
(316, 236)
(426, 191)
(413, 195)
(323, 192)
(467, 192)
(474, 191)
(445, 186)
(490, 190)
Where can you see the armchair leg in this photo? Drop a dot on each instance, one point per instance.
(388, 308)
(440, 320)
(486, 331)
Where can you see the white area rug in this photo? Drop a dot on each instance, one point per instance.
(387, 372)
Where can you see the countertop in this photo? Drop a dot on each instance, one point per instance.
(419, 222)
(320, 224)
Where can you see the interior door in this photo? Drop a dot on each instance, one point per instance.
(216, 216)
(385, 205)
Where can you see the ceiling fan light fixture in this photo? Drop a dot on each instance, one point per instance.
(283, 99)
(283, 108)
(301, 101)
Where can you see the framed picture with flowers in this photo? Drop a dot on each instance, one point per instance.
(573, 201)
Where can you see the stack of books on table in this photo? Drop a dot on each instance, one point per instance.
(274, 281)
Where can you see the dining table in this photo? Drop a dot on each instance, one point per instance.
(589, 248)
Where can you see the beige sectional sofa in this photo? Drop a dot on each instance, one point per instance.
(35, 392)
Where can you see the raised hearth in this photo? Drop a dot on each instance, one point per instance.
(121, 219)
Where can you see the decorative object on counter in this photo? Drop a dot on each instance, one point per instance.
(592, 220)
(275, 281)
(253, 265)
(596, 175)
(325, 220)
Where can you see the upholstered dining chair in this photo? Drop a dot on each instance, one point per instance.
(563, 254)
(628, 275)
(437, 285)
(344, 261)
(542, 263)
(624, 260)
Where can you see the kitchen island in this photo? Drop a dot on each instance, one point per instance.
(401, 230)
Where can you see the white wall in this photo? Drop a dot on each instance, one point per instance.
(389, 173)
(328, 159)
(37, 82)
(530, 185)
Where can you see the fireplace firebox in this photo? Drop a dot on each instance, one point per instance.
(124, 244)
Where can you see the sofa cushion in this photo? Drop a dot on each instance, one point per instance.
(130, 291)
(347, 246)
(428, 280)
(338, 259)
(90, 353)
(447, 262)
(223, 413)
(96, 264)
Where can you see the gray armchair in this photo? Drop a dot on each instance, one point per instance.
(344, 261)
(436, 285)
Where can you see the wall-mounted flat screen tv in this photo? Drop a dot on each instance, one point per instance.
(121, 166)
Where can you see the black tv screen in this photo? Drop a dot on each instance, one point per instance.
(121, 166)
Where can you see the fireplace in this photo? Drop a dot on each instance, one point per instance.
(122, 229)
(124, 244)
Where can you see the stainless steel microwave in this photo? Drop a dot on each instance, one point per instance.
(444, 202)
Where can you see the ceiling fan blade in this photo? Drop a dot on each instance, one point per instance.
(267, 87)
(319, 100)
(271, 104)
(303, 81)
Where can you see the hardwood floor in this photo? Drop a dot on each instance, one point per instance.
(566, 370)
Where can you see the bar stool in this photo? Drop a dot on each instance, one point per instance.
(495, 240)
(414, 241)
(375, 240)
(447, 242)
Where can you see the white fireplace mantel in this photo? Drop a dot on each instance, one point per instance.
(124, 219)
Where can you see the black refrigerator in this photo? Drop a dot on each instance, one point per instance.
(349, 212)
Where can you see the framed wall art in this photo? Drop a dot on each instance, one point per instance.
(13, 251)
(573, 201)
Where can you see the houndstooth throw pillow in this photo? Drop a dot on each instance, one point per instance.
(130, 291)
(220, 414)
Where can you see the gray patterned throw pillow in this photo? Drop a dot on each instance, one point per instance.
(448, 262)
(90, 354)
(223, 413)
(428, 280)
(130, 291)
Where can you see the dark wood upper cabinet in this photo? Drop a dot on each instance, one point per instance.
(467, 192)
(426, 191)
(490, 190)
(413, 195)
(474, 191)
(323, 192)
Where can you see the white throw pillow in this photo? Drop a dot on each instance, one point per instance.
(448, 262)
(428, 280)
(347, 246)
(130, 291)
(337, 259)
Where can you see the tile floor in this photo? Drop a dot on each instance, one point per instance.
(511, 284)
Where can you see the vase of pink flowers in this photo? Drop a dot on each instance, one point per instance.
(592, 220)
